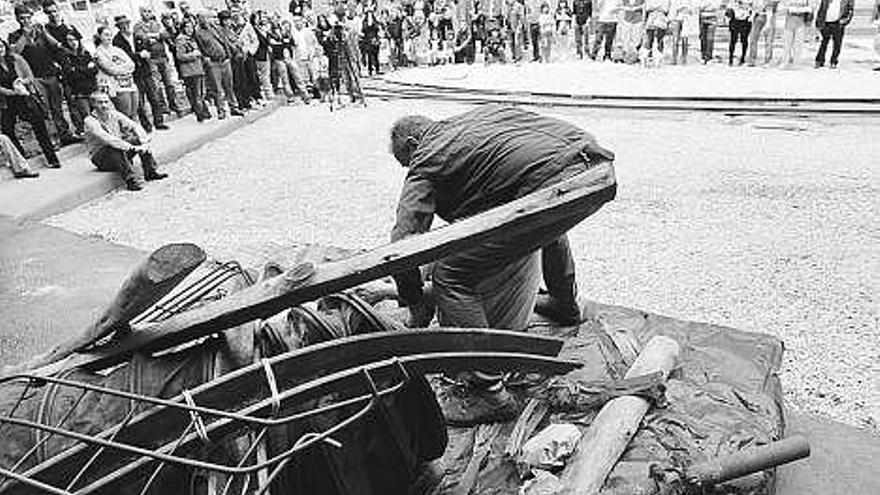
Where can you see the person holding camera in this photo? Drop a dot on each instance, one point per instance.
(42, 52)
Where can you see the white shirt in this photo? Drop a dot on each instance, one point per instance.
(833, 12)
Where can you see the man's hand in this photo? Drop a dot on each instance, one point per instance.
(145, 55)
(421, 313)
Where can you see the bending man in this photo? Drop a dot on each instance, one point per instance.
(473, 162)
(113, 140)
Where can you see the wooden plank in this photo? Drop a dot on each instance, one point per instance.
(617, 422)
(546, 213)
(248, 385)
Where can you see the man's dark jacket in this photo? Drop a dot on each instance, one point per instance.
(583, 10)
(846, 12)
(141, 65)
(478, 160)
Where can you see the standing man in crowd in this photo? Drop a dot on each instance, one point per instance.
(143, 74)
(831, 20)
(516, 24)
(152, 36)
(606, 28)
(63, 32)
(533, 18)
(43, 53)
(708, 11)
(113, 140)
(583, 11)
(470, 163)
(215, 47)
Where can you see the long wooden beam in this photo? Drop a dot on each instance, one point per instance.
(547, 213)
(158, 425)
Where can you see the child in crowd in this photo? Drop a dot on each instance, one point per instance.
(493, 51)
(547, 25)
(563, 18)
(447, 55)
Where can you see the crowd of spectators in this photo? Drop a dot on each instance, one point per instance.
(235, 60)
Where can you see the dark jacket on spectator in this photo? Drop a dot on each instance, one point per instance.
(583, 10)
(42, 54)
(846, 12)
(212, 43)
(79, 71)
(141, 65)
(189, 58)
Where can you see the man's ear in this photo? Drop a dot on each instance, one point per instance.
(412, 143)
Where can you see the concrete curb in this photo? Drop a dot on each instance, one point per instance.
(104, 183)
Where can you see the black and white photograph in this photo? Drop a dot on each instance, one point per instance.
(439, 247)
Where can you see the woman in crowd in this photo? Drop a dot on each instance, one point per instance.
(19, 98)
(294, 75)
(116, 73)
(191, 70)
(370, 33)
(341, 63)
(547, 25)
(739, 19)
(684, 25)
(798, 14)
(278, 47)
(656, 24)
(80, 72)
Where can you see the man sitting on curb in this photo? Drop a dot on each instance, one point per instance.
(113, 140)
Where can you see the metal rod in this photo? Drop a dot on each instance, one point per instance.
(46, 438)
(100, 450)
(161, 465)
(32, 482)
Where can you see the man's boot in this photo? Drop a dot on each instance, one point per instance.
(560, 303)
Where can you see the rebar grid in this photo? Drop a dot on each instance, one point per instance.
(164, 454)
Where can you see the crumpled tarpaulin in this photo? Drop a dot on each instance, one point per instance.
(723, 397)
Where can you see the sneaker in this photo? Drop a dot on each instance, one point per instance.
(833, 65)
(818, 65)
(157, 176)
(68, 140)
(27, 174)
(134, 186)
(161, 126)
(236, 113)
(53, 165)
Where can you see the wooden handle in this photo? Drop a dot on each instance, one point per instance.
(617, 422)
(749, 461)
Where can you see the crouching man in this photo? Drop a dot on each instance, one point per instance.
(465, 165)
(113, 140)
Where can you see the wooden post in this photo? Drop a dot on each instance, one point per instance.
(617, 422)
(147, 284)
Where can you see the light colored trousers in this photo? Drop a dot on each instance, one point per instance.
(764, 26)
(792, 39)
(629, 35)
(264, 73)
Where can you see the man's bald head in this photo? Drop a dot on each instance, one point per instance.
(405, 135)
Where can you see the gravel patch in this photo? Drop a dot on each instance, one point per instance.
(767, 225)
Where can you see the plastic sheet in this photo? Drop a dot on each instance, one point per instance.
(724, 396)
